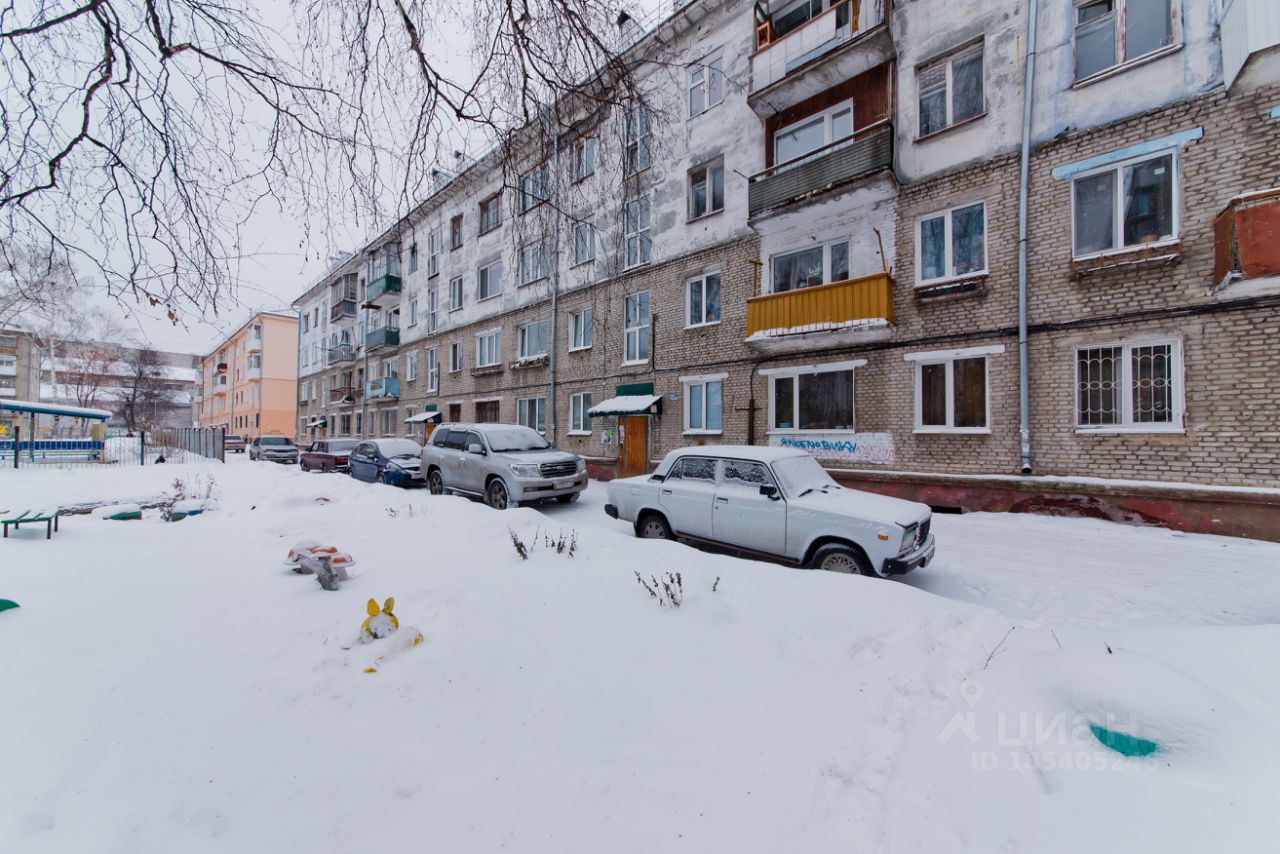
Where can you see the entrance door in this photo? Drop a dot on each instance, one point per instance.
(633, 445)
(487, 411)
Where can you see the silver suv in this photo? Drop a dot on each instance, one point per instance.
(505, 464)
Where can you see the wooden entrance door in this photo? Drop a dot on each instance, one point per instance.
(633, 445)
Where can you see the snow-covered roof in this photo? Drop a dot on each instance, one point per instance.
(429, 415)
(54, 409)
(627, 404)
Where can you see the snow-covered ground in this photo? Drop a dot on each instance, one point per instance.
(171, 687)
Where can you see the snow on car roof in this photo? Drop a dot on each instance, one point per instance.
(760, 453)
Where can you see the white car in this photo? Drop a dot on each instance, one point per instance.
(774, 502)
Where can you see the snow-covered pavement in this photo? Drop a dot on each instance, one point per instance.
(171, 687)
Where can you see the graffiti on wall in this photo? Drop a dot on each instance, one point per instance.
(842, 447)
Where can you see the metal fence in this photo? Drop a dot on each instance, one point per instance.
(143, 448)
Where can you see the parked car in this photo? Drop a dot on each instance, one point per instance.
(390, 461)
(327, 455)
(276, 449)
(233, 443)
(778, 503)
(505, 464)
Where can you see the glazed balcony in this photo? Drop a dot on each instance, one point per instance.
(867, 151)
(342, 354)
(836, 313)
(383, 387)
(342, 308)
(1248, 28)
(383, 290)
(383, 336)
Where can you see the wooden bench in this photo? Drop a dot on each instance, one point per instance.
(49, 517)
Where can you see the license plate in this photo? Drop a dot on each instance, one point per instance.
(563, 484)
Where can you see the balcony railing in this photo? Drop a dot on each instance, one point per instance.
(777, 56)
(342, 394)
(823, 308)
(385, 288)
(384, 387)
(385, 336)
(342, 354)
(869, 150)
(341, 309)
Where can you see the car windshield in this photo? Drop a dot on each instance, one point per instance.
(274, 440)
(801, 474)
(342, 445)
(398, 447)
(509, 439)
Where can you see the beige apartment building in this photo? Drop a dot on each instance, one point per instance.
(249, 382)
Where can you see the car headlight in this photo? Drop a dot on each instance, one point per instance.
(908, 538)
(526, 469)
(582, 465)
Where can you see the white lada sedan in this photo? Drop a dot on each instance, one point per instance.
(777, 503)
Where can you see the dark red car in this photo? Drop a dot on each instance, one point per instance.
(327, 455)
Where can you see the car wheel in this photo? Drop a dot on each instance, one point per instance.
(382, 478)
(497, 496)
(568, 499)
(653, 527)
(840, 558)
(435, 483)
(303, 466)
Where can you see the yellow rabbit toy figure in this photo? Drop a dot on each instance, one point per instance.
(380, 624)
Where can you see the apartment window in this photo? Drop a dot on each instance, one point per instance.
(532, 413)
(533, 340)
(1125, 205)
(533, 262)
(306, 322)
(533, 189)
(413, 257)
(639, 241)
(580, 330)
(411, 366)
(490, 213)
(584, 243)
(1112, 32)
(1132, 386)
(810, 134)
(455, 356)
(433, 370)
(584, 157)
(820, 399)
(488, 349)
(489, 280)
(704, 404)
(413, 311)
(951, 90)
(433, 252)
(433, 309)
(795, 15)
(951, 392)
(814, 265)
(952, 243)
(579, 421)
(706, 83)
(391, 368)
(702, 296)
(635, 327)
(455, 232)
(706, 189)
(455, 293)
(637, 153)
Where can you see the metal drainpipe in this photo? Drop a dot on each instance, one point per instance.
(1024, 380)
(554, 261)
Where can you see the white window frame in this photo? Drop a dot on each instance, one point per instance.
(637, 139)
(539, 407)
(590, 231)
(628, 331)
(1125, 388)
(411, 366)
(523, 339)
(1117, 216)
(535, 252)
(1120, 15)
(641, 234)
(794, 371)
(455, 293)
(530, 188)
(700, 280)
(433, 309)
(949, 358)
(949, 274)
(487, 270)
(580, 322)
(826, 261)
(701, 78)
(433, 370)
(949, 91)
(826, 116)
(413, 311)
(495, 200)
(716, 164)
(703, 381)
(496, 346)
(455, 356)
(433, 252)
(584, 158)
(579, 421)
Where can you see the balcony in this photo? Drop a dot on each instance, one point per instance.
(341, 309)
(342, 354)
(384, 289)
(1249, 27)
(252, 373)
(780, 63)
(220, 384)
(851, 311)
(867, 151)
(385, 336)
(342, 394)
(384, 387)
(1244, 236)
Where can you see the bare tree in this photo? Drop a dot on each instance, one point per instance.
(31, 283)
(89, 373)
(141, 135)
(146, 392)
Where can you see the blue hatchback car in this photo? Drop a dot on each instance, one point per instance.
(392, 461)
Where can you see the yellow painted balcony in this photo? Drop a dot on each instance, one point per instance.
(849, 308)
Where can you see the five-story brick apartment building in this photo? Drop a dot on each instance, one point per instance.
(954, 252)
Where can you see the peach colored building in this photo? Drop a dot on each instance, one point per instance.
(249, 382)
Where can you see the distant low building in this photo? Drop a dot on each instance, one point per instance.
(248, 383)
